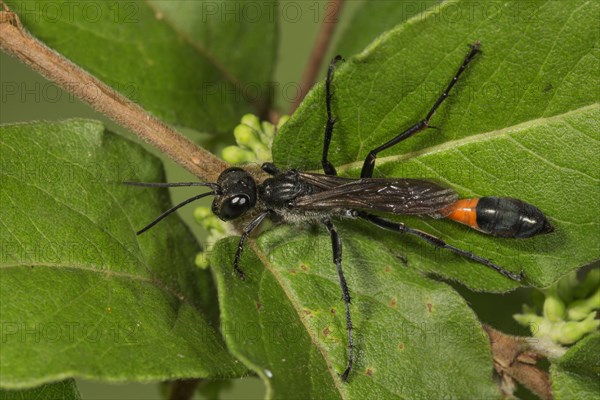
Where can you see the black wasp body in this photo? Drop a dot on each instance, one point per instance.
(295, 196)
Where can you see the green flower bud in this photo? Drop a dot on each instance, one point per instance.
(267, 132)
(245, 136)
(567, 299)
(555, 332)
(262, 153)
(554, 308)
(527, 319)
(214, 225)
(201, 213)
(235, 155)
(252, 121)
(572, 331)
(210, 222)
(580, 309)
(201, 260)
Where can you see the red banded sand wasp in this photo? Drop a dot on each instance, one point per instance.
(294, 196)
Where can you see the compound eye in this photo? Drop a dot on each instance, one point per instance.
(234, 207)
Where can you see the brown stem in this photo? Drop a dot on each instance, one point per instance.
(514, 360)
(320, 47)
(15, 41)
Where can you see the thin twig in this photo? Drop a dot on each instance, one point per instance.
(16, 41)
(319, 50)
(514, 361)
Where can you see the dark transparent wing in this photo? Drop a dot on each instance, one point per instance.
(325, 181)
(396, 196)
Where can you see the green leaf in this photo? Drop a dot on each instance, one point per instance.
(80, 293)
(64, 390)
(522, 122)
(577, 374)
(375, 17)
(414, 337)
(197, 64)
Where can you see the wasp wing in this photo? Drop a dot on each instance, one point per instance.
(325, 181)
(394, 195)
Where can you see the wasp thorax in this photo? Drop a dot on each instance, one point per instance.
(237, 194)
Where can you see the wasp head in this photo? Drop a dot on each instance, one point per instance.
(237, 194)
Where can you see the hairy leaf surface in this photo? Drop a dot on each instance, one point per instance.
(414, 338)
(577, 374)
(80, 293)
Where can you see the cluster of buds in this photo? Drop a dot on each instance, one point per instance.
(216, 230)
(568, 309)
(254, 140)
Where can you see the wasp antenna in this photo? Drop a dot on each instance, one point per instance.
(213, 186)
(171, 210)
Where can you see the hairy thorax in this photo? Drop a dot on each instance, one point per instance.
(281, 192)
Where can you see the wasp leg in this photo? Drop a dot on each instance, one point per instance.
(240, 248)
(400, 227)
(328, 166)
(336, 244)
(369, 164)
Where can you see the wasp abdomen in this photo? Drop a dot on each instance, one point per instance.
(500, 216)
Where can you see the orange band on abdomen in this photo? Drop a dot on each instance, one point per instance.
(464, 211)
